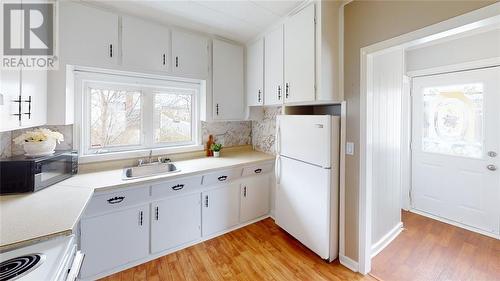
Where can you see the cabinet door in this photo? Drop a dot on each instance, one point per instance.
(255, 73)
(220, 209)
(300, 56)
(228, 93)
(254, 197)
(34, 89)
(189, 54)
(145, 45)
(273, 67)
(10, 83)
(175, 221)
(114, 239)
(87, 36)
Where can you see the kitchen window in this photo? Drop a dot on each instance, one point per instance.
(121, 114)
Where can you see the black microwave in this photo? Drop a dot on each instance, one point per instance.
(21, 174)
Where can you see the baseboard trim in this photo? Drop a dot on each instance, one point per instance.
(457, 224)
(349, 263)
(386, 239)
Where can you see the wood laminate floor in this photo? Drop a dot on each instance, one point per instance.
(427, 250)
(430, 250)
(261, 251)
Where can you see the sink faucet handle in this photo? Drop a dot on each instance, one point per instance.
(140, 162)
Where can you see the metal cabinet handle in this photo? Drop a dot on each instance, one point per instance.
(258, 171)
(491, 167)
(176, 61)
(259, 97)
(19, 109)
(29, 107)
(244, 191)
(110, 50)
(164, 59)
(206, 201)
(287, 89)
(141, 217)
(492, 154)
(178, 187)
(217, 109)
(279, 92)
(157, 213)
(116, 200)
(222, 178)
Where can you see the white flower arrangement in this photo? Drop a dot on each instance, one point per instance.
(39, 135)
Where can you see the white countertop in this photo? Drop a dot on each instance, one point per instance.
(56, 210)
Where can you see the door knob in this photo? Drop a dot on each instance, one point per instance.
(491, 167)
(492, 154)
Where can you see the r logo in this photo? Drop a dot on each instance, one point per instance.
(28, 29)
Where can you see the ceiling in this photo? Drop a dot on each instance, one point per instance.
(238, 20)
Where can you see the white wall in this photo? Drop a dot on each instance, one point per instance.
(386, 95)
(480, 46)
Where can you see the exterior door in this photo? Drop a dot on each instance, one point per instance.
(456, 139)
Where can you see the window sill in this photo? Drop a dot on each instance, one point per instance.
(91, 158)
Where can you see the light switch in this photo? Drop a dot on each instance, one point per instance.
(349, 148)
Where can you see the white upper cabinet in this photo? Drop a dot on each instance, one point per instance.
(227, 83)
(189, 54)
(34, 98)
(300, 56)
(145, 46)
(273, 67)
(10, 87)
(255, 73)
(87, 36)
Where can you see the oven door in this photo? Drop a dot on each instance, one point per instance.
(53, 170)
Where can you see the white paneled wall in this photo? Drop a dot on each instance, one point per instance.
(386, 123)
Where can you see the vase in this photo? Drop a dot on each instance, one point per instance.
(39, 148)
(216, 153)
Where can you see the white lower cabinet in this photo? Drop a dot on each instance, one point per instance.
(220, 209)
(132, 225)
(175, 221)
(255, 199)
(114, 239)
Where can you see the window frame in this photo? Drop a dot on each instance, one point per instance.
(147, 85)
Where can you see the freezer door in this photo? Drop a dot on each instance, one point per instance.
(303, 204)
(306, 138)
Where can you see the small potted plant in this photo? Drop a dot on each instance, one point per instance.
(216, 147)
(39, 142)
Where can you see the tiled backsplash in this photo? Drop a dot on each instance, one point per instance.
(228, 133)
(264, 131)
(259, 133)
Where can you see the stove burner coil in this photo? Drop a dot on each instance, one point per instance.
(17, 267)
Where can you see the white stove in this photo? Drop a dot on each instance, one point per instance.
(55, 259)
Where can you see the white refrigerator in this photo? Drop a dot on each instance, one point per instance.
(307, 175)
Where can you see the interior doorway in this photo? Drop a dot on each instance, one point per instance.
(442, 162)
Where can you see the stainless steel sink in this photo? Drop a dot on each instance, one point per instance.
(147, 170)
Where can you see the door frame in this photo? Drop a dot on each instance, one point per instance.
(468, 22)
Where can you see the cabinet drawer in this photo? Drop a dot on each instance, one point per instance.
(258, 169)
(178, 186)
(116, 200)
(221, 176)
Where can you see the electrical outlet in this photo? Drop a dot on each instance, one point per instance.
(349, 148)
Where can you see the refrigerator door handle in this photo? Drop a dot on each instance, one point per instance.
(277, 169)
(278, 138)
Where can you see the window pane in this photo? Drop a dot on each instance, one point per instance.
(173, 116)
(453, 120)
(115, 118)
